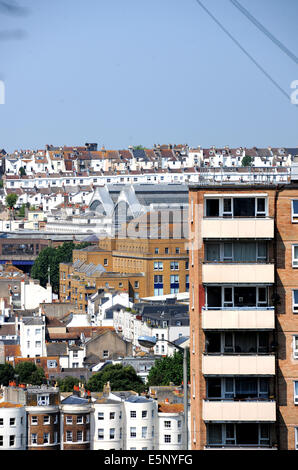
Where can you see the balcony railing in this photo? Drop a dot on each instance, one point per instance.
(238, 273)
(239, 411)
(238, 364)
(238, 227)
(238, 317)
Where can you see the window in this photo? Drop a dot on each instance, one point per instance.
(236, 207)
(158, 285)
(112, 433)
(43, 400)
(166, 251)
(174, 283)
(296, 392)
(105, 353)
(33, 439)
(100, 434)
(79, 436)
(167, 424)
(38, 331)
(295, 301)
(12, 422)
(136, 284)
(33, 420)
(158, 266)
(295, 347)
(51, 364)
(68, 419)
(177, 251)
(1, 421)
(1, 441)
(46, 420)
(295, 256)
(156, 251)
(100, 416)
(167, 438)
(174, 266)
(133, 432)
(79, 419)
(112, 415)
(296, 438)
(68, 436)
(133, 414)
(295, 211)
(144, 432)
(46, 438)
(105, 262)
(12, 440)
(179, 438)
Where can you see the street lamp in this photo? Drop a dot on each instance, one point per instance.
(150, 342)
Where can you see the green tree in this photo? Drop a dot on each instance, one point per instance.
(22, 171)
(22, 210)
(48, 261)
(120, 378)
(29, 373)
(67, 384)
(6, 373)
(168, 369)
(138, 147)
(11, 200)
(247, 160)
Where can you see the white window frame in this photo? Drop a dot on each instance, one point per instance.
(294, 216)
(295, 383)
(295, 351)
(230, 213)
(294, 306)
(34, 420)
(294, 260)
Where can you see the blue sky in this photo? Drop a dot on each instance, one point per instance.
(145, 72)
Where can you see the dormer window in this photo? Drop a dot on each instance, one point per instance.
(43, 400)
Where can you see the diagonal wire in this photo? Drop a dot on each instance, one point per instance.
(265, 31)
(244, 51)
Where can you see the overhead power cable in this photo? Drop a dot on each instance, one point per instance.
(244, 50)
(265, 31)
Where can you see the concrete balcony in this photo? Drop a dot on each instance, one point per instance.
(235, 364)
(244, 411)
(244, 273)
(250, 319)
(238, 228)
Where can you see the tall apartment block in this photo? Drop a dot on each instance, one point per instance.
(243, 315)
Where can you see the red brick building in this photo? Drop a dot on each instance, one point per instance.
(243, 316)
